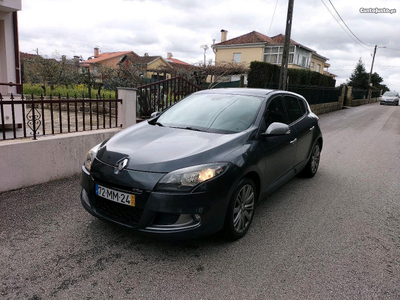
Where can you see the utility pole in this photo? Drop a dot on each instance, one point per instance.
(285, 56)
(370, 73)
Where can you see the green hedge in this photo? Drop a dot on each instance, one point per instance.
(79, 89)
(265, 75)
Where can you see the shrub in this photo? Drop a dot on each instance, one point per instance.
(264, 75)
(79, 89)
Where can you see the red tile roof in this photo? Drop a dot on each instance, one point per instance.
(142, 60)
(24, 55)
(249, 38)
(280, 39)
(176, 61)
(107, 55)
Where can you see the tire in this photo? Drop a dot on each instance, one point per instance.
(312, 165)
(240, 210)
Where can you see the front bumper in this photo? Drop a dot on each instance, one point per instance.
(395, 102)
(159, 214)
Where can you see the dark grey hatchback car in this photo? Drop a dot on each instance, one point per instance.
(202, 165)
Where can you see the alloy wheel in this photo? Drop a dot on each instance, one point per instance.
(316, 155)
(243, 208)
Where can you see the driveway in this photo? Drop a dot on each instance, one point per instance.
(336, 236)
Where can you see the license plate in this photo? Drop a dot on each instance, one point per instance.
(116, 196)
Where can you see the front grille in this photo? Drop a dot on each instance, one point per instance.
(124, 188)
(118, 212)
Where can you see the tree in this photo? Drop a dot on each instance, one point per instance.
(206, 73)
(50, 72)
(359, 77)
(126, 75)
(376, 81)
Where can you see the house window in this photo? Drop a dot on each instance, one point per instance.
(273, 55)
(303, 58)
(312, 65)
(95, 70)
(303, 61)
(237, 57)
(318, 67)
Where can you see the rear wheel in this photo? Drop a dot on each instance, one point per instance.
(312, 165)
(241, 210)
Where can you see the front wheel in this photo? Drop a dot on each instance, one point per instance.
(312, 165)
(241, 210)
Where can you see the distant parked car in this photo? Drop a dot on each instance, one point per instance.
(202, 165)
(391, 98)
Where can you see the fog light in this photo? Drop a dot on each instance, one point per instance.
(196, 217)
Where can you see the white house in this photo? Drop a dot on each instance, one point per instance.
(9, 55)
(9, 49)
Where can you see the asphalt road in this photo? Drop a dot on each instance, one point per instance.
(336, 236)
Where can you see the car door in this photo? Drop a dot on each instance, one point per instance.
(279, 151)
(298, 117)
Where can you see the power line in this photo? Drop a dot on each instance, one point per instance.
(273, 16)
(343, 27)
(347, 26)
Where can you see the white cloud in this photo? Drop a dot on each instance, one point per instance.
(74, 27)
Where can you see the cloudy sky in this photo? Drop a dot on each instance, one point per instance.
(74, 27)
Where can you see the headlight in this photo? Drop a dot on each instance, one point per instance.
(90, 156)
(184, 180)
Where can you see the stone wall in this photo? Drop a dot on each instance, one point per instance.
(320, 109)
(328, 107)
(358, 102)
(323, 108)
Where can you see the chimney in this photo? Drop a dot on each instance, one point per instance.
(224, 35)
(96, 51)
(169, 55)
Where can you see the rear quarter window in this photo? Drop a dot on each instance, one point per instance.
(295, 108)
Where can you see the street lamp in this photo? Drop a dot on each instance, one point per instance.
(205, 47)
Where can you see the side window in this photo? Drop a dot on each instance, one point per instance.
(275, 112)
(294, 110)
(302, 106)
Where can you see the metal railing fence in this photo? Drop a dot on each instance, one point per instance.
(54, 115)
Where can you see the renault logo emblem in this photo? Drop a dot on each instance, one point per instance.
(121, 165)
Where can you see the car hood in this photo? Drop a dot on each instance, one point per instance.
(163, 149)
(389, 98)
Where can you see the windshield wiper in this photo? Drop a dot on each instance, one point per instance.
(192, 128)
(188, 128)
(159, 124)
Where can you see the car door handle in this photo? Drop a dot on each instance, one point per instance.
(312, 128)
(294, 141)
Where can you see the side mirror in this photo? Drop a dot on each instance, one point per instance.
(276, 128)
(154, 114)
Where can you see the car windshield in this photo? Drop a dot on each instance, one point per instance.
(390, 94)
(218, 113)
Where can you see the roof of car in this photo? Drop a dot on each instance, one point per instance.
(239, 91)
